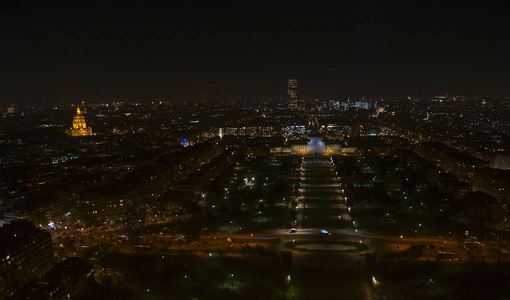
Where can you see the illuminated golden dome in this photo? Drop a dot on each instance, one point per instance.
(79, 125)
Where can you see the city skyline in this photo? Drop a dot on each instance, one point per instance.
(255, 150)
(271, 199)
(68, 53)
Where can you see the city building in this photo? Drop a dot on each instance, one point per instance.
(26, 254)
(79, 126)
(292, 89)
(292, 93)
(314, 145)
(69, 277)
(502, 162)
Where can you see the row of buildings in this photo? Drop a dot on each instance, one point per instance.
(113, 200)
(28, 269)
(474, 171)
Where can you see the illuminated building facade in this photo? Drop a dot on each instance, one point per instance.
(79, 125)
(315, 145)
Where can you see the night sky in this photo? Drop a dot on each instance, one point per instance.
(69, 51)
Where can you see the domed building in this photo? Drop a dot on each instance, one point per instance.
(79, 125)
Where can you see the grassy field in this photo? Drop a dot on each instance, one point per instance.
(322, 205)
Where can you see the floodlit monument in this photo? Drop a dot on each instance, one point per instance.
(316, 145)
(79, 126)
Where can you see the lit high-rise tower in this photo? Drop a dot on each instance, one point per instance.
(292, 89)
(79, 125)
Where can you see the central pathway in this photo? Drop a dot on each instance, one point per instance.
(321, 204)
(322, 214)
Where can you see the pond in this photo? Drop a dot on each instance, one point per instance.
(327, 247)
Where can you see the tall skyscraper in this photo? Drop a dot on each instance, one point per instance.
(292, 89)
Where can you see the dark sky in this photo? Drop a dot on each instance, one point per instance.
(69, 51)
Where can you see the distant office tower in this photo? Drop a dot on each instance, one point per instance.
(292, 94)
(292, 89)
